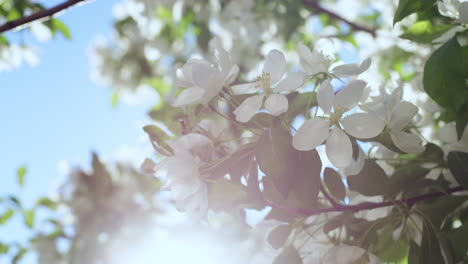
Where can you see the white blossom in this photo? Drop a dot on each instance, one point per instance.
(322, 58)
(338, 145)
(276, 103)
(203, 80)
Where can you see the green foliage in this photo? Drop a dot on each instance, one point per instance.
(334, 183)
(371, 181)
(29, 216)
(425, 31)
(4, 217)
(408, 7)
(458, 165)
(3, 248)
(20, 174)
(444, 78)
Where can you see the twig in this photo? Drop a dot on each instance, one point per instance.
(314, 5)
(328, 196)
(38, 15)
(370, 205)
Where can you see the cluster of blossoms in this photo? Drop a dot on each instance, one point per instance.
(343, 114)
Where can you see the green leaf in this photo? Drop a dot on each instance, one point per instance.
(274, 154)
(371, 181)
(20, 174)
(29, 216)
(288, 256)
(46, 202)
(424, 31)
(279, 236)
(436, 210)
(461, 118)
(4, 248)
(158, 139)
(61, 27)
(458, 239)
(300, 103)
(306, 184)
(458, 165)
(114, 99)
(6, 216)
(408, 7)
(334, 183)
(444, 76)
(389, 250)
(19, 256)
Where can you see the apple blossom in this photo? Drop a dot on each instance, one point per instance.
(338, 145)
(202, 80)
(276, 103)
(322, 58)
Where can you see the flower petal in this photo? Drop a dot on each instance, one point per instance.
(276, 104)
(275, 65)
(294, 81)
(325, 96)
(232, 75)
(463, 12)
(311, 134)
(245, 111)
(363, 125)
(349, 96)
(338, 148)
(345, 70)
(407, 142)
(402, 114)
(189, 96)
(246, 88)
(306, 60)
(448, 133)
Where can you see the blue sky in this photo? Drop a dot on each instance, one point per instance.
(54, 111)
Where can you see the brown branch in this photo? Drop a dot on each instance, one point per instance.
(314, 5)
(369, 205)
(38, 15)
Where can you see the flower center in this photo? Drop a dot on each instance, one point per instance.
(338, 112)
(264, 82)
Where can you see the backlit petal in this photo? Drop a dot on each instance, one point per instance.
(363, 125)
(338, 148)
(402, 114)
(311, 134)
(349, 96)
(275, 65)
(325, 96)
(294, 81)
(276, 104)
(407, 142)
(245, 111)
(189, 96)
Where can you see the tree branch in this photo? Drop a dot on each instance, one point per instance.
(38, 15)
(370, 205)
(314, 5)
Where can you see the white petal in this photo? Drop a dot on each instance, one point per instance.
(276, 104)
(463, 12)
(294, 81)
(402, 114)
(349, 96)
(326, 48)
(189, 96)
(246, 88)
(325, 96)
(363, 125)
(232, 75)
(202, 73)
(275, 65)
(245, 111)
(338, 148)
(222, 56)
(351, 69)
(407, 142)
(356, 165)
(311, 134)
(306, 60)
